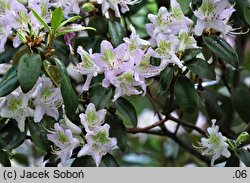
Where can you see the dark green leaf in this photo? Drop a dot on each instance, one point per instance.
(127, 110)
(117, 130)
(211, 104)
(70, 98)
(52, 71)
(166, 78)
(24, 49)
(40, 20)
(87, 161)
(9, 82)
(241, 102)
(29, 69)
(100, 96)
(100, 23)
(71, 19)
(247, 11)
(244, 156)
(56, 20)
(222, 49)
(201, 68)
(233, 161)
(7, 55)
(190, 54)
(4, 159)
(186, 95)
(21, 158)
(117, 32)
(10, 136)
(39, 135)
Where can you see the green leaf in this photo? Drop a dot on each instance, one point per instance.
(7, 55)
(24, 49)
(87, 161)
(127, 110)
(21, 158)
(166, 78)
(100, 23)
(190, 54)
(4, 159)
(52, 71)
(100, 96)
(41, 20)
(71, 19)
(201, 68)
(29, 70)
(233, 161)
(117, 32)
(117, 130)
(56, 19)
(222, 49)
(39, 135)
(244, 156)
(247, 11)
(72, 28)
(70, 98)
(9, 82)
(10, 136)
(185, 94)
(241, 102)
(211, 104)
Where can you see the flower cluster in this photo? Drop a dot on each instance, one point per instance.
(67, 136)
(216, 145)
(171, 33)
(126, 67)
(44, 98)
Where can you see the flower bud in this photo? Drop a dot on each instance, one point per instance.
(243, 137)
(21, 36)
(88, 7)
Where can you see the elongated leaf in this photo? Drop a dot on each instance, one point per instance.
(186, 95)
(40, 20)
(100, 97)
(56, 20)
(117, 130)
(4, 159)
(71, 19)
(247, 11)
(166, 78)
(39, 135)
(29, 69)
(127, 110)
(70, 98)
(9, 82)
(117, 32)
(24, 49)
(244, 156)
(73, 29)
(190, 54)
(241, 102)
(201, 68)
(100, 23)
(10, 136)
(52, 71)
(7, 55)
(87, 161)
(233, 161)
(222, 49)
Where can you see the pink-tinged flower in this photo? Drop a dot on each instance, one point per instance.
(47, 99)
(213, 14)
(126, 85)
(92, 119)
(167, 22)
(87, 67)
(111, 61)
(98, 144)
(215, 145)
(68, 6)
(114, 5)
(65, 141)
(15, 106)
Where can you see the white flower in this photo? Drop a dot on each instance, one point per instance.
(15, 106)
(98, 144)
(92, 119)
(213, 14)
(65, 141)
(68, 6)
(215, 145)
(47, 99)
(87, 67)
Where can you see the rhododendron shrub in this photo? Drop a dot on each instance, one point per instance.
(124, 83)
